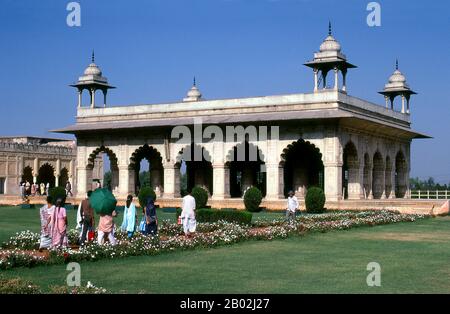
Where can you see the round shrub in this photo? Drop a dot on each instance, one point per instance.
(200, 195)
(252, 199)
(144, 193)
(315, 200)
(56, 193)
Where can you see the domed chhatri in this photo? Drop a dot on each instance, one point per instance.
(330, 43)
(194, 93)
(329, 57)
(397, 86)
(92, 80)
(93, 69)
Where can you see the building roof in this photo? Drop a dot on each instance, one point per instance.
(324, 105)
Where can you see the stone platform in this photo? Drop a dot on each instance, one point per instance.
(433, 207)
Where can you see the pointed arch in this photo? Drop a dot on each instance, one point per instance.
(367, 175)
(401, 170)
(155, 175)
(46, 174)
(195, 168)
(246, 167)
(378, 175)
(350, 172)
(388, 177)
(303, 167)
(95, 168)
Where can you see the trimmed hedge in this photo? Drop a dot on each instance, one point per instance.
(57, 192)
(200, 195)
(214, 215)
(315, 200)
(144, 193)
(252, 199)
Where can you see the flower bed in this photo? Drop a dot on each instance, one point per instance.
(208, 235)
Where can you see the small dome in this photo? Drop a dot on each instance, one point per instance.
(93, 69)
(194, 92)
(397, 77)
(330, 44)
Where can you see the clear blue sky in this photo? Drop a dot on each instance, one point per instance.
(150, 50)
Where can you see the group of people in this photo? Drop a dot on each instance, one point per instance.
(54, 220)
(28, 189)
(53, 224)
(32, 189)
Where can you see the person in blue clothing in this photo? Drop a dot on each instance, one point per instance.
(151, 221)
(129, 217)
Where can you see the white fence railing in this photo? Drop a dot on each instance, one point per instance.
(430, 195)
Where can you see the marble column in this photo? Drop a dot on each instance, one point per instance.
(126, 180)
(274, 182)
(171, 181)
(333, 182)
(221, 181)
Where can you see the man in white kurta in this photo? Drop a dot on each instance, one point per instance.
(292, 206)
(188, 214)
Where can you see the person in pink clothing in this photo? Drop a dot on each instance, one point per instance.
(58, 225)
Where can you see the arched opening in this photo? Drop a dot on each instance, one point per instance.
(246, 165)
(46, 174)
(27, 174)
(63, 177)
(146, 162)
(350, 172)
(303, 167)
(367, 175)
(103, 169)
(400, 175)
(388, 177)
(378, 176)
(194, 163)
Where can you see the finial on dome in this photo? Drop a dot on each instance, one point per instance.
(329, 28)
(396, 64)
(93, 56)
(194, 82)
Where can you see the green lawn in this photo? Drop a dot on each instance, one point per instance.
(414, 258)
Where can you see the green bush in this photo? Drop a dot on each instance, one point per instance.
(252, 199)
(315, 200)
(200, 195)
(18, 286)
(144, 193)
(57, 192)
(214, 215)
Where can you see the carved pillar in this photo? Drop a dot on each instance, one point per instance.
(80, 95)
(92, 91)
(171, 181)
(221, 181)
(336, 79)
(274, 182)
(316, 80)
(84, 180)
(333, 157)
(126, 181)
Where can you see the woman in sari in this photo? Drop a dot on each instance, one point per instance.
(58, 225)
(151, 221)
(129, 217)
(45, 213)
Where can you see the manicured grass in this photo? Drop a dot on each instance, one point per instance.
(413, 257)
